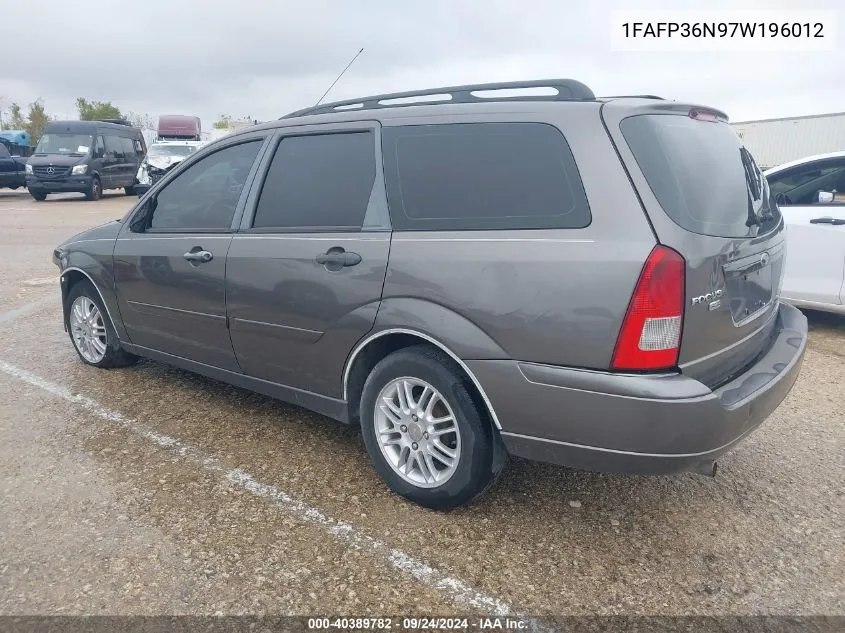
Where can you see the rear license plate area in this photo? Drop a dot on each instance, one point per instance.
(750, 286)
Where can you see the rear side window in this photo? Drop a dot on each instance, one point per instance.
(702, 176)
(481, 176)
(320, 182)
(4, 153)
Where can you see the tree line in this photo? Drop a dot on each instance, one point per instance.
(36, 117)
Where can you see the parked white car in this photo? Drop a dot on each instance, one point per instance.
(811, 195)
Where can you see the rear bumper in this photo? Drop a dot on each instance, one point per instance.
(647, 424)
(78, 184)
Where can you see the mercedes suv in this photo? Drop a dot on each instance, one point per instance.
(466, 273)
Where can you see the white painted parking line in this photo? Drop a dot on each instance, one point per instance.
(454, 588)
(32, 306)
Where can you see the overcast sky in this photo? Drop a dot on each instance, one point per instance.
(265, 58)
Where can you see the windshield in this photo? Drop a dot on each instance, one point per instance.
(64, 144)
(161, 151)
(701, 175)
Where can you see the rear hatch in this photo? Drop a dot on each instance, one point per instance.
(706, 198)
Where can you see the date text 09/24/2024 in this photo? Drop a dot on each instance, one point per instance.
(383, 624)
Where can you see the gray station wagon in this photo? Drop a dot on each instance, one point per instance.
(587, 281)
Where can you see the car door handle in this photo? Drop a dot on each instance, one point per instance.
(336, 258)
(833, 221)
(197, 255)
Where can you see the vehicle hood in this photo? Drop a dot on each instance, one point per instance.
(109, 230)
(57, 160)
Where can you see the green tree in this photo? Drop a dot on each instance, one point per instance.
(223, 123)
(96, 110)
(34, 122)
(38, 119)
(16, 119)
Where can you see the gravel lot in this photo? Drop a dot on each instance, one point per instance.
(149, 490)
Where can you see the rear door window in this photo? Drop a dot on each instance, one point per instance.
(482, 176)
(702, 176)
(318, 182)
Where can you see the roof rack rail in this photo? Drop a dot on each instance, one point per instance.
(634, 97)
(115, 121)
(567, 90)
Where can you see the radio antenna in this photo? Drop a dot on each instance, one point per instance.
(339, 76)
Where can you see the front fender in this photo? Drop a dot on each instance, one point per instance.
(97, 268)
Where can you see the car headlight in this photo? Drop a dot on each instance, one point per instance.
(78, 170)
(27, 169)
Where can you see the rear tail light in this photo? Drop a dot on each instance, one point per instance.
(650, 337)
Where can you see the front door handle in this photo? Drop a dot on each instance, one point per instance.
(337, 257)
(833, 221)
(198, 255)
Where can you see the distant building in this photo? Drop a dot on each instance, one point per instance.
(774, 142)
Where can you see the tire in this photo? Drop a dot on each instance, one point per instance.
(114, 355)
(129, 191)
(38, 195)
(95, 190)
(479, 449)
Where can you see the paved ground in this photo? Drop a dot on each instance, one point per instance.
(149, 490)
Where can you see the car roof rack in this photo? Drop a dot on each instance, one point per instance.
(567, 90)
(634, 97)
(115, 121)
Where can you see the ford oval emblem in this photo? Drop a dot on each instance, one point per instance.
(764, 259)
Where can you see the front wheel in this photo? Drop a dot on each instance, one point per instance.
(38, 195)
(129, 191)
(91, 331)
(95, 190)
(427, 438)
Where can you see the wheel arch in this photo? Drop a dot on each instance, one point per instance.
(71, 276)
(378, 345)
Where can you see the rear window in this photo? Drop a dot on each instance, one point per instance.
(481, 176)
(702, 176)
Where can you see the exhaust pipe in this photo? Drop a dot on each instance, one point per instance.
(707, 468)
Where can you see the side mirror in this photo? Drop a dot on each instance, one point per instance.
(831, 197)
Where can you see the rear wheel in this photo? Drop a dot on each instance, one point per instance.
(95, 190)
(38, 195)
(427, 438)
(91, 331)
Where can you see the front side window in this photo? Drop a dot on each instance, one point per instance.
(481, 176)
(802, 185)
(205, 195)
(320, 182)
(78, 144)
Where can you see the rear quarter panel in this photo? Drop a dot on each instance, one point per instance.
(548, 296)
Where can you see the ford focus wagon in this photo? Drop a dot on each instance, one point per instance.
(466, 274)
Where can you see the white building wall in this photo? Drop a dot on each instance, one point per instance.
(776, 141)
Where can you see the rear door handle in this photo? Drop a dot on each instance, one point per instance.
(833, 221)
(336, 258)
(198, 255)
